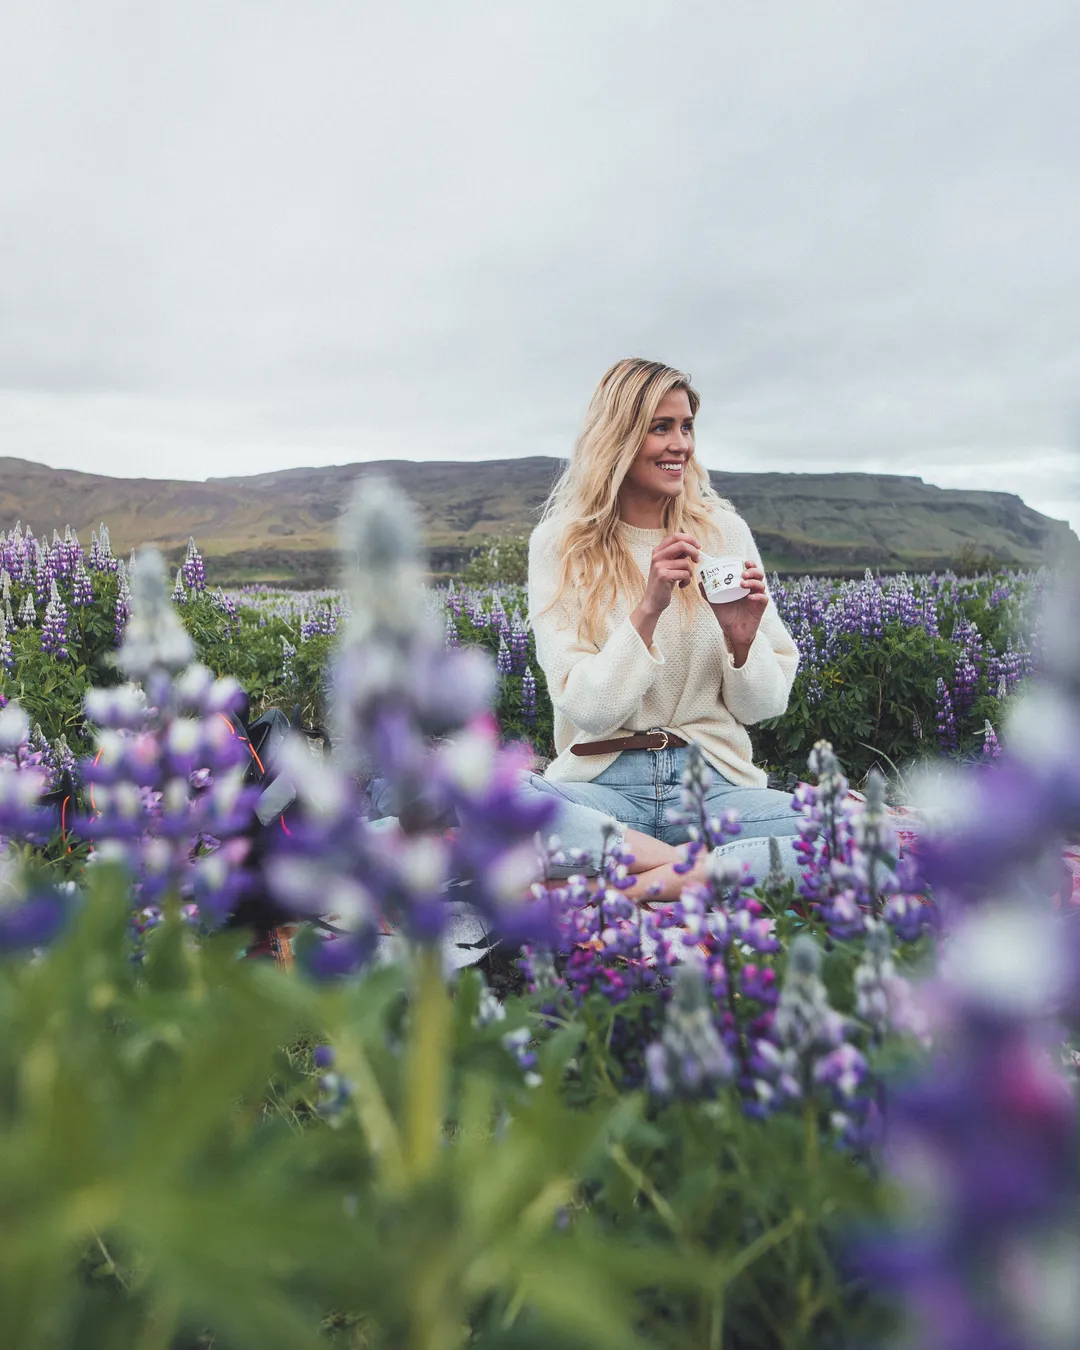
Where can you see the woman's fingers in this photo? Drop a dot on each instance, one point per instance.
(678, 546)
(676, 571)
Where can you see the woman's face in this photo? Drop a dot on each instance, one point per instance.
(660, 465)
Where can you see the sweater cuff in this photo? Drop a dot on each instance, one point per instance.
(626, 645)
(749, 689)
(757, 660)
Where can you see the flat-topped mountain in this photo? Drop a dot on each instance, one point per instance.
(281, 525)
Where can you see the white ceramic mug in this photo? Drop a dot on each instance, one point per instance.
(722, 579)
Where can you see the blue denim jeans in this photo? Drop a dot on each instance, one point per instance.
(641, 791)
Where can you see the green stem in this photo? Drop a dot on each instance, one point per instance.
(716, 1324)
(761, 1245)
(427, 1069)
(741, 1263)
(113, 1267)
(646, 1187)
(374, 1115)
(160, 1326)
(810, 1123)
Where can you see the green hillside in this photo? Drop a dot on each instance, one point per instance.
(278, 526)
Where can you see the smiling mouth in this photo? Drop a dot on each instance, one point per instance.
(672, 466)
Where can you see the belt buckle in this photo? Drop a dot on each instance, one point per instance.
(664, 746)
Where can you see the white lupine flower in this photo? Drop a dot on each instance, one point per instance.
(154, 637)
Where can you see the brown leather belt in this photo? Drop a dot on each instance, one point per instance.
(643, 740)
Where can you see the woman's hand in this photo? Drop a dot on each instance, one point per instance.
(740, 619)
(671, 567)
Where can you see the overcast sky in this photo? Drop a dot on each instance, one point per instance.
(238, 236)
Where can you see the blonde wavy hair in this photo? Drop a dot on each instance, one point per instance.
(596, 563)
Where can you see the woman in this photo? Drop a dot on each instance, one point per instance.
(638, 662)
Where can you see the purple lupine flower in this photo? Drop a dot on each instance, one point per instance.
(983, 1142)
(965, 681)
(453, 600)
(192, 569)
(122, 610)
(927, 609)
(1006, 825)
(54, 630)
(876, 849)
(519, 644)
(450, 634)
(393, 688)
(503, 662)
(498, 619)
(71, 550)
(32, 912)
(528, 695)
(82, 589)
(883, 998)
(973, 643)
(991, 747)
(946, 719)
(851, 858)
(101, 558)
(60, 760)
(320, 621)
(816, 1056)
(167, 779)
(23, 780)
(611, 947)
(867, 606)
(12, 552)
(45, 573)
(1005, 671)
(806, 1024)
(227, 606)
(7, 659)
(689, 1059)
(31, 555)
(288, 658)
(824, 841)
(705, 831)
(983, 1147)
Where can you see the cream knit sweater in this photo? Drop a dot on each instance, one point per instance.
(686, 682)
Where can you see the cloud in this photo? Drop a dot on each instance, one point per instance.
(260, 235)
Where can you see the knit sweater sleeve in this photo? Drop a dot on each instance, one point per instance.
(760, 687)
(594, 688)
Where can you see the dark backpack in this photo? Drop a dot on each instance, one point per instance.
(275, 807)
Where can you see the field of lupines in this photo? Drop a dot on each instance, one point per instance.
(893, 669)
(761, 1116)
